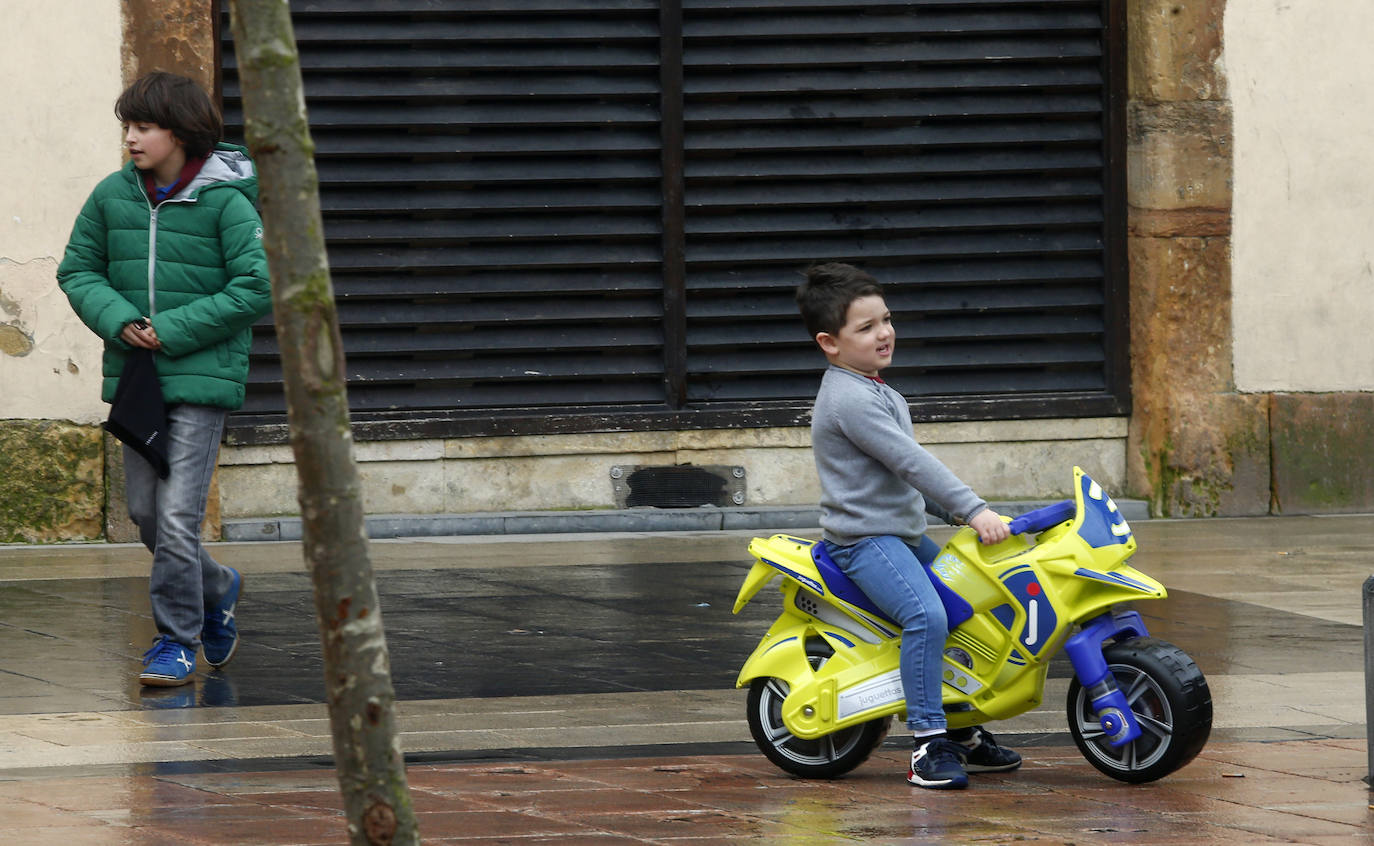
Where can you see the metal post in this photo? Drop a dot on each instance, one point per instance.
(1369, 676)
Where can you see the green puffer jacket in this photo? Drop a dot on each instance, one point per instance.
(194, 265)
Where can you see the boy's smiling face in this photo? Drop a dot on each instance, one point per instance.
(866, 341)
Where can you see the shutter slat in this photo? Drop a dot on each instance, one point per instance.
(747, 136)
(1028, 274)
(1002, 354)
(365, 115)
(923, 304)
(933, 218)
(529, 369)
(973, 161)
(505, 311)
(757, 110)
(431, 286)
(913, 80)
(473, 171)
(305, 9)
(722, 58)
(925, 191)
(346, 87)
(534, 337)
(944, 22)
(475, 395)
(554, 255)
(503, 228)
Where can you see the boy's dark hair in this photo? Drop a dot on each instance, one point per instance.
(825, 296)
(177, 103)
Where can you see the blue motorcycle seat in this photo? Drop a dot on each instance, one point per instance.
(957, 609)
(841, 585)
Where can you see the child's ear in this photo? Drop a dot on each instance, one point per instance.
(827, 343)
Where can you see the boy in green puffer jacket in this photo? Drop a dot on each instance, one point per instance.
(166, 255)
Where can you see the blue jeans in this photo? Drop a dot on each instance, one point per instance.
(890, 572)
(168, 512)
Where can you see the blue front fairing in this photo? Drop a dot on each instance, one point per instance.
(1102, 523)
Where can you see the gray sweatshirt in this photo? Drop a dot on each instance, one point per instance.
(873, 473)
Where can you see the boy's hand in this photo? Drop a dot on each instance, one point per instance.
(989, 526)
(140, 333)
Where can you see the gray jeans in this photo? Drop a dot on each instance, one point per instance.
(185, 580)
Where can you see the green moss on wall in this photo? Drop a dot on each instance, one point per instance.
(51, 481)
(1182, 491)
(1322, 446)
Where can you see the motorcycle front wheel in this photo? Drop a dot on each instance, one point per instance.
(1170, 699)
(825, 757)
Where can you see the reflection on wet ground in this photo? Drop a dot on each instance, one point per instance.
(538, 631)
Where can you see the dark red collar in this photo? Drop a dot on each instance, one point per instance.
(188, 172)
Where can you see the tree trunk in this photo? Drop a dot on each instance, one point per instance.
(357, 668)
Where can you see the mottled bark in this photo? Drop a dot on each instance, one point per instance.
(357, 669)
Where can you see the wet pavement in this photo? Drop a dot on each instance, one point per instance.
(579, 689)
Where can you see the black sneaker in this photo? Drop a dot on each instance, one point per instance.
(981, 754)
(935, 764)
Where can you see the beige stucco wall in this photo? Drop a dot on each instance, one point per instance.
(1302, 88)
(61, 66)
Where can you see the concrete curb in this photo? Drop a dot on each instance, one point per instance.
(704, 519)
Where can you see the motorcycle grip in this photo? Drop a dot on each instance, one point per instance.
(1043, 518)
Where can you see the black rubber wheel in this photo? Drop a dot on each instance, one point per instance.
(825, 757)
(1170, 699)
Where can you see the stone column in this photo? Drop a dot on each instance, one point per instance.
(1196, 447)
(170, 35)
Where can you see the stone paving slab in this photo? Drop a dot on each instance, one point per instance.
(1305, 792)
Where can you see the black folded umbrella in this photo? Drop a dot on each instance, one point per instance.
(138, 416)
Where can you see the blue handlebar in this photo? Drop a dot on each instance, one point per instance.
(1043, 518)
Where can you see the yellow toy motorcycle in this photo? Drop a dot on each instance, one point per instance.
(824, 681)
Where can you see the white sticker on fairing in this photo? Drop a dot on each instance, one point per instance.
(874, 693)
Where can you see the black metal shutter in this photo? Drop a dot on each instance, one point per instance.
(489, 176)
(583, 214)
(956, 150)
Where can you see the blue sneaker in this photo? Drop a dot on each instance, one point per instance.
(936, 764)
(219, 637)
(167, 664)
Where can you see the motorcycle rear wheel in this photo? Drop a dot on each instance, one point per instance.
(825, 757)
(1170, 699)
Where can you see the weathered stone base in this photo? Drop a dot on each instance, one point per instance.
(51, 481)
(1001, 459)
(1234, 455)
(1322, 445)
(1205, 459)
